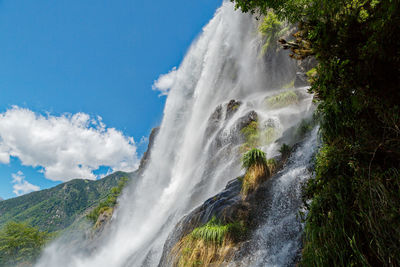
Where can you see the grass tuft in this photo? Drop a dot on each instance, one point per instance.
(208, 245)
(253, 157)
(257, 170)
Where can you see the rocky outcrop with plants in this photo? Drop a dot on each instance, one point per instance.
(217, 232)
(353, 201)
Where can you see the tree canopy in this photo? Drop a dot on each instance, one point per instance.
(20, 243)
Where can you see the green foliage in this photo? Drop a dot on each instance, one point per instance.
(285, 150)
(271, 28)
(20, 243)
(270, 24)
(352, 219)
(282, 100)
(255, 138)
(251, 135)
(57, 208)
(311, 74)
(109, 203)
(305, 126)
(288, 85)
(215, 232)
(291, 10)
(257, 170)
(252, 157)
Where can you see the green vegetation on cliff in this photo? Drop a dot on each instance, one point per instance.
(215, 232)
(353, 217)
(271, 28)
(209, 244)
(251, 135)
(255, 137)
(282, 100)
(109, 203)
(257, 170)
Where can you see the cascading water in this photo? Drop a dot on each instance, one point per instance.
(278, 240)
(189, 162)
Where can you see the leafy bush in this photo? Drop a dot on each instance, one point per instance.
(20, 243)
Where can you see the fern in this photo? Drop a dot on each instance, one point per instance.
(252, 157)
(215, 232)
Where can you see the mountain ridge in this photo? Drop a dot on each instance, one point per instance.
(56, 208)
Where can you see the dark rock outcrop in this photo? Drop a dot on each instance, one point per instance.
(214, 120)
(147, 154)
(247, 119)
(229, 206)
(231, 108)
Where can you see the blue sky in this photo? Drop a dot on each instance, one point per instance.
(93, 57)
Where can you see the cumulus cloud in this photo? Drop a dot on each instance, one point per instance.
(67, 146)
(21, 186)
(165, 82)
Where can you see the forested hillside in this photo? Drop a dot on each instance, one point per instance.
(57, 208)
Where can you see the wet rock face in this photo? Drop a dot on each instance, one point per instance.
(146, 155)
(231, 108)
(247, 119)
(234, 136)
(216, 117)
(103, 220)
(214, 121)
(226, 207)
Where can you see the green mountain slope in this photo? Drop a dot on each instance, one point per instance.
(57, 208)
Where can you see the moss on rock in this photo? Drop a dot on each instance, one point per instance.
(282, 100)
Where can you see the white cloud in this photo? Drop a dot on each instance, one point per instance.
(66, 147)
(21, 186)
(165, 82)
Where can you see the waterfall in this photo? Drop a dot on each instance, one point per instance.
(189, 162)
